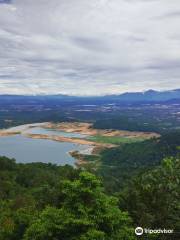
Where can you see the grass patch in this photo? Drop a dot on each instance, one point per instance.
(114, 140)
(91, 158)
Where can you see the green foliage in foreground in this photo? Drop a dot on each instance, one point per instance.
(114, 139)
(153, 198)
(41, 201)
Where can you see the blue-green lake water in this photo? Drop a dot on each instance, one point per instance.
(46, 131)
(26, 150)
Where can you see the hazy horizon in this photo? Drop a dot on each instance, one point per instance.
(101, 95)
(88, 48)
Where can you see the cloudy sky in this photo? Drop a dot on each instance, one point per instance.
(89, 47)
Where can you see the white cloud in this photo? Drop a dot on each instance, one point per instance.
(89, 47)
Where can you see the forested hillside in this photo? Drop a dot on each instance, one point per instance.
(118, 165)
(153, 198)
(133, 184)
(42, 201)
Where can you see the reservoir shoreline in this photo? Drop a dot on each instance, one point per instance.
(72, 133)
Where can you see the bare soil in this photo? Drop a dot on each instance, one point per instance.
(87, 129)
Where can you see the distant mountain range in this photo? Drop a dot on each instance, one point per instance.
(129, 97)
(148, 96)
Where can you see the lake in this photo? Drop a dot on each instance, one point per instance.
(47, 131)
(26, 150)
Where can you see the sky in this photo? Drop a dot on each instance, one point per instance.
(89, 47)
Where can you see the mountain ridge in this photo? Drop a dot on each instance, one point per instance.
(146, 96)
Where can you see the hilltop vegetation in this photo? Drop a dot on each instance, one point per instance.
(152, 198)
(42, 201)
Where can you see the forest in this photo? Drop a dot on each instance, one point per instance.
(118, 165)
(44, 201)
(40, 201)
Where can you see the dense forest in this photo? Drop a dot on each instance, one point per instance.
(132, 124)
(43, 201)
(118, 165)
(152, 197)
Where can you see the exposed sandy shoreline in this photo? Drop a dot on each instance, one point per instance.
(86, 129)
(19, 129)
(4, 133)
(67, 139)
(75, 127)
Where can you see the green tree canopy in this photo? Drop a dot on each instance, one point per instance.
(86, 214)
(152, 199)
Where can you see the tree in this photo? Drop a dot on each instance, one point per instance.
(153, 197)
(86, 214)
